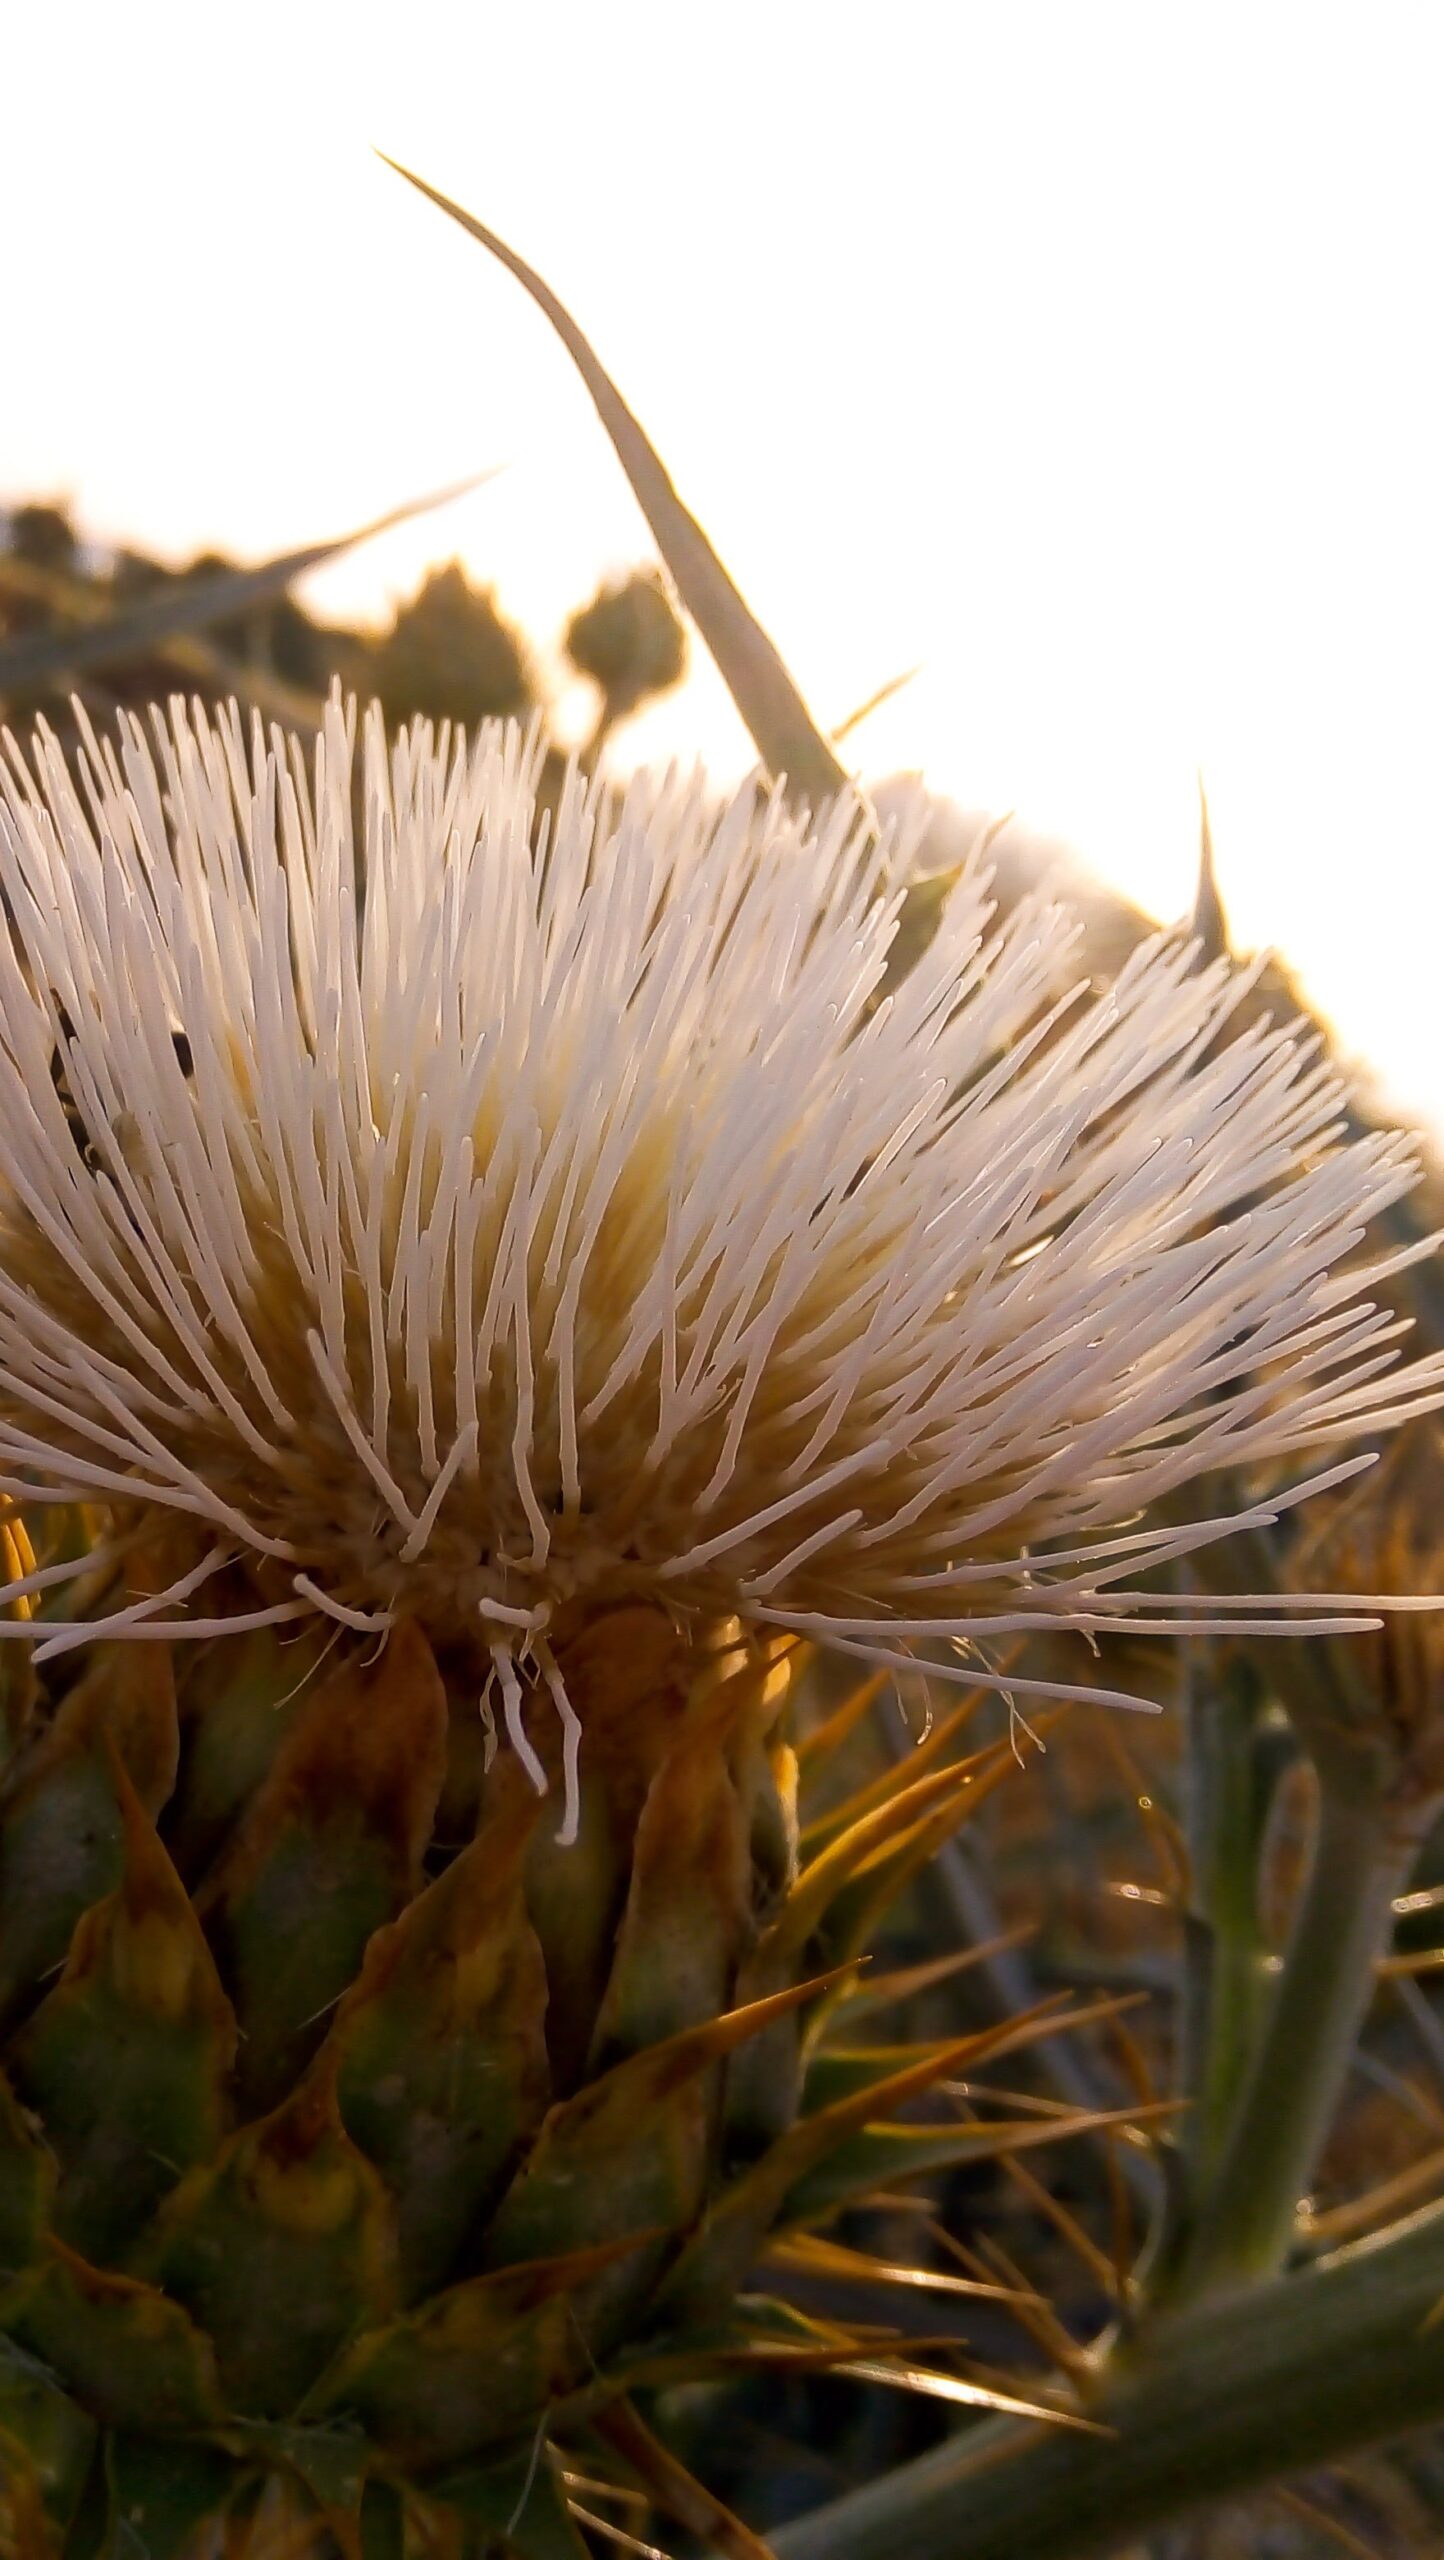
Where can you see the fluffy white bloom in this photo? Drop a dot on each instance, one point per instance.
(487, 1224)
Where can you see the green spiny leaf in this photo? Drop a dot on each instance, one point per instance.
(280, 2250)
(61, 1833)
(239, 1698)
(329, 1852)
(590, 2180)
(688, 1907)
(27, 2183)
(627, 1675)
(478, 2366)
(440, 2051)
(125, 2061)
(331, 2461)
(131, 2357)
(46, 2444)
(718, 2257)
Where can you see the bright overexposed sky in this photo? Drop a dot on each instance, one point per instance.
(1086, 353)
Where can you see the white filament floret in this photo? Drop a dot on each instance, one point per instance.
(482, 1220)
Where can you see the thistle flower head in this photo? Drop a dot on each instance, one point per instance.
(456, 1217)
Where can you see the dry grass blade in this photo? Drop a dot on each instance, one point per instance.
(882, 1834)
(999, 2140)
(1133, 2062)
(878, 1990)
(616, 2534)
(1410, 1906)
(1022, 2102)
(1164, 1835)
(1052, 2016)
(1033, 2312)
(1332, 2527)
(817, 1744)
(969, 2395)
(809, 2253)
(786, 736)
(672, 2488)
(194, 661)
(888, 1783)
(1403, 1968)
(1344, 2222)
(864, 710)
(189, 605)
(1067, 2225)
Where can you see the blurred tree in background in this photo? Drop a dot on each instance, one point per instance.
(451, 654)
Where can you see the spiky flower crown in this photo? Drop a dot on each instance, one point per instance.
(480, 1221)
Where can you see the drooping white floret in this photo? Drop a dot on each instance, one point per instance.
(483, 1220)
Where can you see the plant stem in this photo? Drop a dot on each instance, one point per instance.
(1362, 1855)
(1223, 1980)
(1233, 2394)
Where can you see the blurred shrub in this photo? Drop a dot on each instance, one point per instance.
(451, 654)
